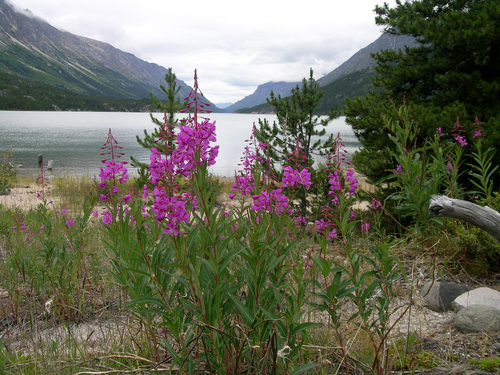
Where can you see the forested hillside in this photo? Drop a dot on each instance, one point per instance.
(21, 94)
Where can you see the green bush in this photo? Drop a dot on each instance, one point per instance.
(481, 251)
(6, 174)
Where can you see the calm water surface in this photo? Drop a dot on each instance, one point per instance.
(73, 140)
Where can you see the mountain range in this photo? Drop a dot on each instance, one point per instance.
(350, 79)
(60, 65)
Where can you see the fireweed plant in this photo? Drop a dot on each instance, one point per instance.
(434, 168)
(211, 288)
(225, 291)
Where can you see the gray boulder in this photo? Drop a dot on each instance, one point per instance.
(438, 295)
(479, 296)
(478, 318)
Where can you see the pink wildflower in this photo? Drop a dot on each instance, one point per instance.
(293, 177)
(332, 235)
(321, 225)
(461, 141)
(107, 217)
(398, 170)
(365, 227)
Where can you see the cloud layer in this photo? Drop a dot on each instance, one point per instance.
(235, 45)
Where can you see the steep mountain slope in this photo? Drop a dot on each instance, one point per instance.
(362, 60)
(262, 93)
(33, 49)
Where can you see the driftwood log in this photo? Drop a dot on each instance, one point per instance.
(484, 218)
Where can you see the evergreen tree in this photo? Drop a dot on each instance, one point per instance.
(454, 71)
(169, 108)
(298, 130)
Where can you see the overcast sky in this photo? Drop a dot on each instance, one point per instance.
(234, 45)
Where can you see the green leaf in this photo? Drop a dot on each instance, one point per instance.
(247, 314)
(303, 368)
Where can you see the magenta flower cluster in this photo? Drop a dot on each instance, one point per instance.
(194, 146)
(193, 149)
(292, 177)
(336, 183)
(461, 140)
(113, 171)
(273, 201)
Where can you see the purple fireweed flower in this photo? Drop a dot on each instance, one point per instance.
(301, 221)
(293, 177)
(126, 198)
(70, 222)
(146, 191)
(103, 197)
(268, 202)
(144, 212)
(64, 211)
(478, 134)
(113, 171)
(170, 210)
(107, 217)
(244, 184)
(335, 201)
(332, 235)
(461, 141)
(193, 146)
(352, 216)
(41, 228)
(365, 227)
(457, 128)
(94, 213)
(159, 166)
(321, 225)
(398, 170)
(478, 129)
(115, 190)
(376, 205)
(23, 227)
(334, 182)
(439, 131)
(352, 180)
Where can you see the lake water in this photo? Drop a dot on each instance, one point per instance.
(73, 140)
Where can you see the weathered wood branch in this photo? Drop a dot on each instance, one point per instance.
(482, 217)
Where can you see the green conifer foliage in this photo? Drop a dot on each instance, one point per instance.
(298, 130)
(454, 71)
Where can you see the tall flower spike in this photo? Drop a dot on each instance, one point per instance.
(337, 155)
(114, 171)
(111, 144)
(194, 104)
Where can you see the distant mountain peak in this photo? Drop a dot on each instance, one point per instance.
(261, 94)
